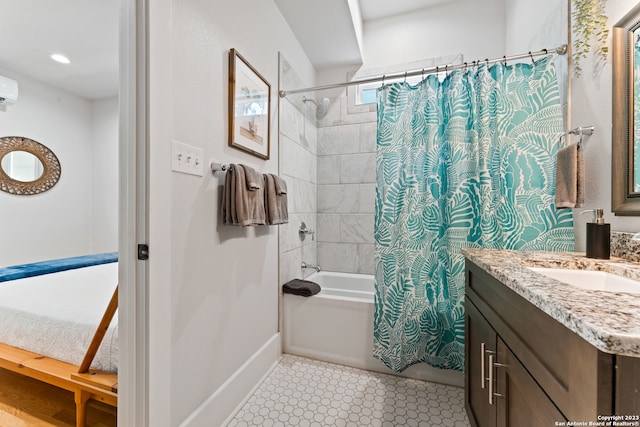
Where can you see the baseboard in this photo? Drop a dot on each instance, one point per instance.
(226, 400)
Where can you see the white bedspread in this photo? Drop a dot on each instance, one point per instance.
(56, 315)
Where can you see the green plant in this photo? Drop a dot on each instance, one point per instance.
(589, 24)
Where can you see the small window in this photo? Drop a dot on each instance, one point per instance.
(366, 93)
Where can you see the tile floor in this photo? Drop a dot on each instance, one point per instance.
(309, 393)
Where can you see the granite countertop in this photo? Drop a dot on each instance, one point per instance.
(610, 321)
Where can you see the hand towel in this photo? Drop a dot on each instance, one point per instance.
(249, 204)
(281, 185)
(253, 178)
(241, 206)
(275, 204)
(301, 287)
(228, 209)
(570, 177)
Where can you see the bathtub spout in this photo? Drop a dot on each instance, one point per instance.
(315, 267)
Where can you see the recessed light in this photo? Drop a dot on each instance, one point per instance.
(60, 58)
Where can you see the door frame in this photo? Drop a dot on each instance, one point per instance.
(133, 372)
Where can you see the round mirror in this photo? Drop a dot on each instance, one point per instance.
(26, 166)
(22, 166)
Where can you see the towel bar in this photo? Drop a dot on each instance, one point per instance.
(218, 167)
(582, 130)
(579, 131)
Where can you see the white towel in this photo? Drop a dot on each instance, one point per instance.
(570, 177)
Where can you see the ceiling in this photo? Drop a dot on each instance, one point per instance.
(375, 9)
(330, 31)
(86, 31)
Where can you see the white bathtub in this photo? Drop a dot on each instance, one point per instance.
(336, 326)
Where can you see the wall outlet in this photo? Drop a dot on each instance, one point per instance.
(186, 158)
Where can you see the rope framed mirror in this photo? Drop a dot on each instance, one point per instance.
(27, 167)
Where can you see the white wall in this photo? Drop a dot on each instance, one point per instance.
(213, 289)
(104, 174)
(535, 25)
(591, 105)
(473, 28)
(57, 223)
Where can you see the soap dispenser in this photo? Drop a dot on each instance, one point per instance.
(598, 236)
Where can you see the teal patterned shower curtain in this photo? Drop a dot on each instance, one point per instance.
(467, 162)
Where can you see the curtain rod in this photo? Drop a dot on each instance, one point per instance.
(561, 50)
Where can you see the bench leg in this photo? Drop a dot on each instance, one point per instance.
(81, 398)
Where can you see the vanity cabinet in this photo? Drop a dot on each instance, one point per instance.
(500, 391)
(524, 368)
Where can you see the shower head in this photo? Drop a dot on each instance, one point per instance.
(321, 109)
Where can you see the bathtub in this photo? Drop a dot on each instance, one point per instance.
(336, 325)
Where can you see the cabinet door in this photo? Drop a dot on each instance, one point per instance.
(520, 400)
(480, 342)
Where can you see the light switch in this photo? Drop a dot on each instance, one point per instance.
(186, 158)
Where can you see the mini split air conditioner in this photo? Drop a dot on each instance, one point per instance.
(8, 91)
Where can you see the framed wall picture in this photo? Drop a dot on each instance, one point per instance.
(249, 107)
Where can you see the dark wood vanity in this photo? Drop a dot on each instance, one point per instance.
(524, 368)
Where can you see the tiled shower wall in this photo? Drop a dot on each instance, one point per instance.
(346, 187)
(298, 161)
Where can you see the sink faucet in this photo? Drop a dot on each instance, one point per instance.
(315, 267)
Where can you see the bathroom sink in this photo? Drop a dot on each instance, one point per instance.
(591, 280)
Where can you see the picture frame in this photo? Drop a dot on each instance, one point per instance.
(249, 108)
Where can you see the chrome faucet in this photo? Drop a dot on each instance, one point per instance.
(315, 267)
(304, 231)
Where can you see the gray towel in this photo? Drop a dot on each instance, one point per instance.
(570, 177)
(253, 178)
(281, 185)
(275, 204)
(239, 205)
(301, 287)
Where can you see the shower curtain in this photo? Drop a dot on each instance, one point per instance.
(467, 162)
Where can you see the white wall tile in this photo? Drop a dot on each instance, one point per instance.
(296, 161)
(342, 198)
(291, 120)
(290, 266)
(368, 137)
(358, 168)
(301, 195)
(340, 257)
(339, 140)
(366, 255)
(356, 228)
(311, 136)
(367, 198)
(328, 169)
(329, 227)
(288, 234)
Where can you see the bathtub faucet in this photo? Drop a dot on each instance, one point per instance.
(305, 265)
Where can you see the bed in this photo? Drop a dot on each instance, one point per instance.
(58, 325)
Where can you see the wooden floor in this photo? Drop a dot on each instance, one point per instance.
(27, 402)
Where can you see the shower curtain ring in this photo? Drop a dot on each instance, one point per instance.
(446, 70)
(423, 74)
(383, 76)
(504, 58)
(545, 51)
(487, 61)
(405, 77)
(531, 55)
